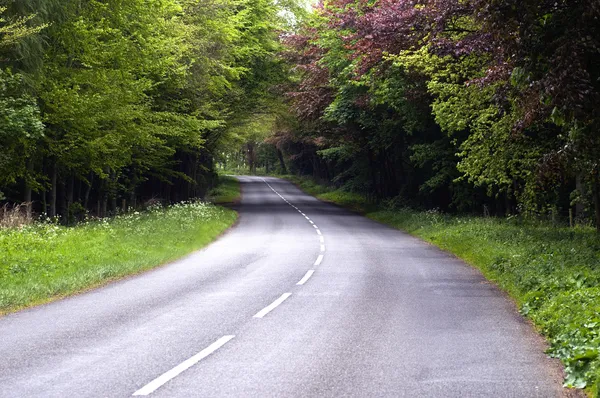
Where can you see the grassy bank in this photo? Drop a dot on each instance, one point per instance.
(552, 273)
(227, 192)
(43, 261)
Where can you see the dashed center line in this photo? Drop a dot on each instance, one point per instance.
(319, 259)
(306, 277)
(182, 367)
(309, 273)
(272, 306)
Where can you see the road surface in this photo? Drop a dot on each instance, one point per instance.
(300, 299)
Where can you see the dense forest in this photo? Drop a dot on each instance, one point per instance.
(478, 106)
(108, 103)
(473, 106)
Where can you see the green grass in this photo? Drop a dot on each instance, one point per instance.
(42, 262)
(226, 192)
(349, 200)
(552, 273)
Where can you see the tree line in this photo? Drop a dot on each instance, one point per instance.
(108, 103)
(459, 105)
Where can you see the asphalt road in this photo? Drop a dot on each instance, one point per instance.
(284, 305)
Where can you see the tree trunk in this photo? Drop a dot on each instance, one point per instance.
(86, 197)
(133, 180)
(596, 192)
(251, 158)
(53, 192)
(113, 193)
(579, 209)
(28, 189)
(70, 191)
(62, 198)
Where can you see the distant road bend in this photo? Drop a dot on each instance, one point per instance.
(300, 299)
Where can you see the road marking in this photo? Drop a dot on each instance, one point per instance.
(285, 296)
(188, 363)
(306, 277)
(272, 306)
(319, 259)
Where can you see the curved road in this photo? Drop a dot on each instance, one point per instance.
(301, 298)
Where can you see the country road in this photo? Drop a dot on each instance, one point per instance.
(300, 299)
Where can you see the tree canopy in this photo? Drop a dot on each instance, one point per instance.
(473, 105)
(108, 103)
(451, 104)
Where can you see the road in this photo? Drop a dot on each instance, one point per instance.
(301, 298)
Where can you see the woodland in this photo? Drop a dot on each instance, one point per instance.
(105, 105)
(479, 106)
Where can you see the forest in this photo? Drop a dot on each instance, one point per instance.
(481, 107)
(108, 104)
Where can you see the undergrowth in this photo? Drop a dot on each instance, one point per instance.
(552, 272)
(226, 192)
(44, 261)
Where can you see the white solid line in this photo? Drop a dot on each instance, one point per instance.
(319, 259)
(188, 363)
(321, 239)
(322, 248)
(319, 232)
(306, 277)
(272, 306)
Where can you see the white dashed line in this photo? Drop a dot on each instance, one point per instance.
(309, 273)
(306, 277)
(272, 306)
(182, 367)
(319, 259)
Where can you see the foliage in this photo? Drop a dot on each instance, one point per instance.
(137, 98)
(451, 103)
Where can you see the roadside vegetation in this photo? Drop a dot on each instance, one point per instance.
(43, 261)
(227, 191)
(552, 271)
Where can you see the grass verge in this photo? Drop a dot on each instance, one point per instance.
(552, 273)
(227, 192)
(42, 262)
